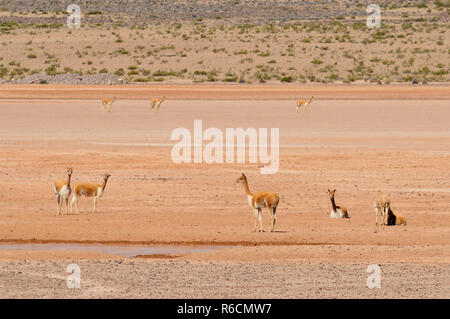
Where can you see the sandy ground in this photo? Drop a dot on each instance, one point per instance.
(178, 279)
(357, 146)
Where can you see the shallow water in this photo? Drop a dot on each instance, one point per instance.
(119, 250)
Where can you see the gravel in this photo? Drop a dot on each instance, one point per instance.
(43, 78)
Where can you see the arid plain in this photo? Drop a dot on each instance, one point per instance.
(359, 140)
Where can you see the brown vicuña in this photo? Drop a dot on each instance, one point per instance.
(62, 191)
(106, 104)
(155, 103)
(89, 190)
(382, 204)
(258, 201)
(303, 103)
(394, 218)
(337, 211)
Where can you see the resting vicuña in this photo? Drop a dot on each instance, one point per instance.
(395, 218)
(337, 211)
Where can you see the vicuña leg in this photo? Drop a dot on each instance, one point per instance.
(386, 213)
(255, 214)
(376, 215)
(260, 220)
(67, 205)
(274, 217)
(74, 201)
(58, 205)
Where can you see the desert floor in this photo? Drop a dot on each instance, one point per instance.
(360, 146)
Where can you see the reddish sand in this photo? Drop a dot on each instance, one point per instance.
(358, 146)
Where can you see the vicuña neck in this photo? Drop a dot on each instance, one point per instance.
(333, 203)
(104, 184)
(69, 176)
(247, 189)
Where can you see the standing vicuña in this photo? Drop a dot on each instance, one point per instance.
(338, 211)
(304, 103)
(62, 191)
(382, 205)
(106, 104)
(260, 200)
(89, 190)
(155, 103)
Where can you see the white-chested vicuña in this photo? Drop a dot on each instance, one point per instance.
(303, 103)
(337, 211)
(89, 190)
(62, 191)
(258, 201)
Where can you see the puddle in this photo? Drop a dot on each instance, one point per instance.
(118, 250)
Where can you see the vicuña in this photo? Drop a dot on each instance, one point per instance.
(155, 103)
(394, 218)
(382, 205)
(304, 103)
(258, 201)
(89, 190)
(337, 211)
(62, 191)
(106, 104)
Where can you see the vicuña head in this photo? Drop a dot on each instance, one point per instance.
(331, 193)
(241, 179)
